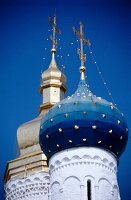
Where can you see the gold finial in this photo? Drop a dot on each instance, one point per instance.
(53, 36)
(81, 54)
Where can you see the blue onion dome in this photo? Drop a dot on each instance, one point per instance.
(83, 120)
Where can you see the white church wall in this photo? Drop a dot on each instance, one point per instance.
(34, 187)
(72, 168)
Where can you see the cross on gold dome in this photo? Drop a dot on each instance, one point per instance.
(53, 36)
(83, 40)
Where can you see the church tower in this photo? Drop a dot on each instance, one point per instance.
(53, 80)
(83, 137)
(26, 177)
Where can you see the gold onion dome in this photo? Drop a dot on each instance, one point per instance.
(53, 75)
(52, 88)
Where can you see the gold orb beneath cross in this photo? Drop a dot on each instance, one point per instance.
(82, 69)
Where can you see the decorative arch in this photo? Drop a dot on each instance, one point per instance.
(13, 186)
(46, 178)
(89, 177)
(27, 180)
(105, 189)
(74, 177)
(104, 179)
(116, 192)
(76, 157)
(66, 159)
(72, 188)
(55, 183)
(96, 157)
(55, 190)
(57, 163)
(20, 183)
(36, 179)
(105, 160)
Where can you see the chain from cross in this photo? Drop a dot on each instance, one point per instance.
(83, 41)
(55, 30)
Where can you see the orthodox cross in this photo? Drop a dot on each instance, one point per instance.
(83, 41)
(55, 30)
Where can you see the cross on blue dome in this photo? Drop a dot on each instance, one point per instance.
(83, 120)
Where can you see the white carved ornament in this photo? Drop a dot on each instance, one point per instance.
(34, 187)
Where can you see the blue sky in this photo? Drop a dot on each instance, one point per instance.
(24, 36)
